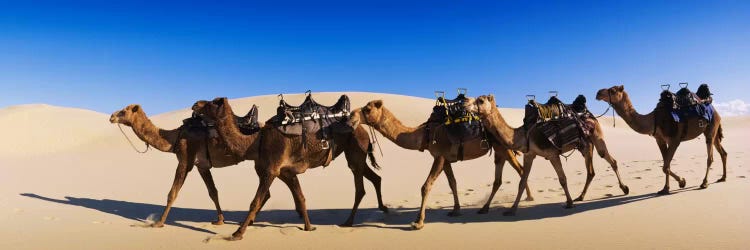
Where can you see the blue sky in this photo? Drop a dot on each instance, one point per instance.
(102, 55)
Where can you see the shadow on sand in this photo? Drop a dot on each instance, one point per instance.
(398, 218)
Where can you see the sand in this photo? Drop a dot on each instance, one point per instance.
(69, 180)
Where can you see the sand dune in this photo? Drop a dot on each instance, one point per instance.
(68, 179)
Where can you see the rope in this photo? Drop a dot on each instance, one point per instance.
(375, 139)
(131, 142)
(613, 111)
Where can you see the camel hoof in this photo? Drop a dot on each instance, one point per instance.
(580, 198)
(529, 198)
(310, 228)
(454, 214)
(625, 189)
(218, 222)
(682, 182)
(723, 179)
(509, 213)
(484, 210)
(234, 237)
(384, 209)
(157, 225)
(417, 225)
(569, 206)
(704, 185)
(663, 192)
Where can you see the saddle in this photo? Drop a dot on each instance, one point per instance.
(311, 117)
(247, 124)
(685, 103)
(562, 124)
(461, 125)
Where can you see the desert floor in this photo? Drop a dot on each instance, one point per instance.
(68, 179)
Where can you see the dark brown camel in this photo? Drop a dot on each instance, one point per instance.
(285, 157)
(193, 147)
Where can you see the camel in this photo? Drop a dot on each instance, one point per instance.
(193, 147)
(658, 124)
(533, 143)
(381, 119)
(285, 157)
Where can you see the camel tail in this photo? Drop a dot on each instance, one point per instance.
(372, 156)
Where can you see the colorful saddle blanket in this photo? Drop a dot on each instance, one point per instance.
(685, 104)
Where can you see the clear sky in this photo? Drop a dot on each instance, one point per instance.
(102, 55)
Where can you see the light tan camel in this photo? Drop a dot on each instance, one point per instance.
(533, 143)
(444, 153)
(667, 132)
(192, 147)
(285, 157)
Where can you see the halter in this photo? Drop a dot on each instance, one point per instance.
(373, 136)
(131, 142)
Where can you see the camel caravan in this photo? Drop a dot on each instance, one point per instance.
(464, 128)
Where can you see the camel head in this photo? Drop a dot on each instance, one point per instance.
(481, 105)
(615, 94)
(126, 116)
(371, 114)
(212, 110)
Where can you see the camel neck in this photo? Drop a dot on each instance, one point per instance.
(397, 132)
(643, 124)
(512, 137)
(156, 137)
(237, 142)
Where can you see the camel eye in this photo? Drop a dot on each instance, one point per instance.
(480, 101)
(121, 113)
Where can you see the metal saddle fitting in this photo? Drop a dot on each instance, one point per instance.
(324, 144)
(665, 87)
(683, 85)
(530, 97)
(484, 144)
(462, 91)
(553, 93)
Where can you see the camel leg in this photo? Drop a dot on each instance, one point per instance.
(300, 198)
(511, 157)
(601, 148)
(668, 155)
(528, 160)
(375, 179)
(208, 179)
(710, 157)
(290, 184)
(359, 192)
(557, 165)
(723, 154)
(588, 155)
(264, 184)
(452, 183)
(499, 163)
(437, 167)
(183, 167)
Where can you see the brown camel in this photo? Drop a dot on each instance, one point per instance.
(285, 157)
(533, 143)
(192, 147)
(444, 153)
(658, 124)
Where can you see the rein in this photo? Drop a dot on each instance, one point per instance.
(373, 136)
(131, 142)
(613, 110)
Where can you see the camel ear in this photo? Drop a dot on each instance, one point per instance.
(219, 101)
(135, 108)
(620, 88)
(377, 104)
(491, 97)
